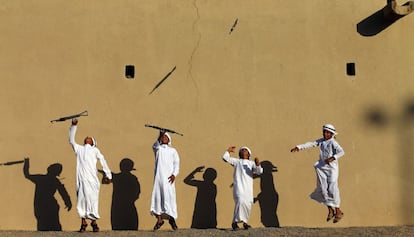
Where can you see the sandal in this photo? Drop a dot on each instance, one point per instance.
(234, 226)
(95, 227)
(158, 225)
(246, 226)
(173, 224)
(338, 217)
(330, 216)
(83, 228)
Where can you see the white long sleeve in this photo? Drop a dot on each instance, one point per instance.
(338, 151)
(308, 145)
(72, 134)
(226, 157)
(104, 165)
(328, 148)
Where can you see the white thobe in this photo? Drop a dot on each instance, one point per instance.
(242, 186)
(167, 163)
(327, 191)
(87, 181)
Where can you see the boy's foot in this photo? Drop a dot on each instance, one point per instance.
(172, 223)
(246, 226)
(158, 225)
(95, 227)
(331, 215)
(338, 217)
(234, 226)
(83, 228)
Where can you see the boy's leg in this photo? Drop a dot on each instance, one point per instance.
(331, 213)
(171, 220)
(159, 222)
(236, 211)
(334, 198)
(83, 225)
(94, 225)
(246, 226)
(338, 215)
(321, 191)
(241, 214)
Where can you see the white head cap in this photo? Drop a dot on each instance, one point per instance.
(248, 150)
(329, 128)
(169, 138)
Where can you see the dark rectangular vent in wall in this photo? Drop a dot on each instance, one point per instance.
(350, 69)
(129, 71)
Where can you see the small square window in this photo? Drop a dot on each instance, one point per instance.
(129, 71)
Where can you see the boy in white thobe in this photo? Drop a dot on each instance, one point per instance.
(327, 171)
(87, 181)
(167, 165)
(242, 184)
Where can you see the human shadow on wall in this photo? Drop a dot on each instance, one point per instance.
(380, 119)
(126, 190)
(375, 23)
(205, 209)
(46, 207)
(406, 129)
(268, 197)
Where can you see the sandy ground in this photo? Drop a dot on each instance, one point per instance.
(256, 232)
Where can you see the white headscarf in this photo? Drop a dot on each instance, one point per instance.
(94, 141)
(169, 138)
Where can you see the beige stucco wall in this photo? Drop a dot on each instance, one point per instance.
(270, 85)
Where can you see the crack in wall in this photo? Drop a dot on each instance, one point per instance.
(190, 62)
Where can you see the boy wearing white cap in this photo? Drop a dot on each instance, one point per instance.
(327, 171)
(242, 184)
(87, 182)
(167, 166)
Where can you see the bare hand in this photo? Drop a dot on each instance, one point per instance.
(329, 160)
(74, 121)
(171, 179)
(256, 160)
(69, 207)
(231, 149)
(162, 132)
(295, 149)
(106, 180)
(199, 169)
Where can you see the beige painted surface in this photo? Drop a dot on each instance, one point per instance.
(270, 85)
